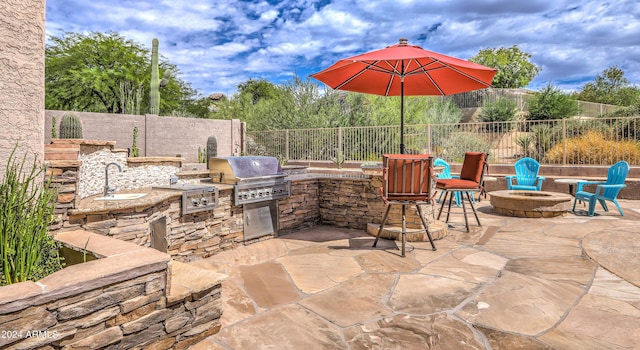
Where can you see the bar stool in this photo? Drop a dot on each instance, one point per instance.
(471, 179)
(406, 180)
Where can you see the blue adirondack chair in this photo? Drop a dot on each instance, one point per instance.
(526, 177)
(605, 191)
(445, 174)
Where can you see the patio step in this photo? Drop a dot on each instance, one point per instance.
(61, 152)
(437, 229)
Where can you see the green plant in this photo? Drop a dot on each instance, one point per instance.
(442, 112)
(552, 103)
(538, 140)
(338, 159)
(70, 127)
(282, 159)
(84, 251)
(526, 143)
(154, 92)
(501, 110)
(202, 155)
(54, 135)
(27, 251)
(135, 152)
(457, 144)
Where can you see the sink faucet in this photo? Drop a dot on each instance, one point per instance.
(107, 188)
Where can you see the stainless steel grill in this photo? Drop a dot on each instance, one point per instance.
(258, 184)
(256, 179)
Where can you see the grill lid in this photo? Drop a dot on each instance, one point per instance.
(236, 169)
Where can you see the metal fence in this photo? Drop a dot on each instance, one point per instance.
(522, 97)
(566, 141)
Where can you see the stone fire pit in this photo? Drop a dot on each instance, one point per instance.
(530, 204)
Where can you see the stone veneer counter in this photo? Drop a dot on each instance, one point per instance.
(152, 197)
(155, 220)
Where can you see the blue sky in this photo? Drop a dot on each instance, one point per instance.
(219, 44)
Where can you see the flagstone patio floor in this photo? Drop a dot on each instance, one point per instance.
(570, 282)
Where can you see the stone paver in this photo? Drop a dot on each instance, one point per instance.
(570, 282)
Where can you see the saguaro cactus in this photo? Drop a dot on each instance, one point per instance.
(154, 91)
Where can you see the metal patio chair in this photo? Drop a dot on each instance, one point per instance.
(605, 191)
(445, 174)
(407, 180)
(526, 177)
(473, 170)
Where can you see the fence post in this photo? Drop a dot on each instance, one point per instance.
(286, 144)
(564, 141)
(340, 142)
(429, 138)
(601, 109)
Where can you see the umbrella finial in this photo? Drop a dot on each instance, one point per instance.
(404, 41)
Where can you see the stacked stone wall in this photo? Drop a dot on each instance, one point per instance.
(123, 301)
(356, 202)
(301, 210)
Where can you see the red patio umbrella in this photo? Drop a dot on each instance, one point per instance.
(406, 70)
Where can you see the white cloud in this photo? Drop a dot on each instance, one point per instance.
(218, 44)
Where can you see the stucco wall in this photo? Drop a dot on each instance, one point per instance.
(22, 27)
(157, 136)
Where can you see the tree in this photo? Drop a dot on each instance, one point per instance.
(552, 103)
(257, 89)
(104, 72)
(610, 87)
(501, 110)
(514, 67)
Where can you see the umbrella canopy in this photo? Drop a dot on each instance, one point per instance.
(406, 70)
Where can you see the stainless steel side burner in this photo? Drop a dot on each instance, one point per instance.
(195, 198)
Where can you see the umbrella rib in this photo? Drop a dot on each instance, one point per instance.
(422, 69)
(393, 74)
(367, 67)
(350, 79)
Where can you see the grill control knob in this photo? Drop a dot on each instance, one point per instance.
(204, 201)
(195, 202)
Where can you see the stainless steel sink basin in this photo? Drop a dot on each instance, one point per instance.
(121, 197)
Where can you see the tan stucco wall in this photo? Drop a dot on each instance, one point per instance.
(157, 136)
(22, 36)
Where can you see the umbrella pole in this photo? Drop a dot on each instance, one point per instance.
(402, 150)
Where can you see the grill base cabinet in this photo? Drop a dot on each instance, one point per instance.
(260, 219)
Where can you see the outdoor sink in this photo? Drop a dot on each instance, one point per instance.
(121, 197)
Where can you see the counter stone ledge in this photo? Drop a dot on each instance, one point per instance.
(84, 142)
(186, 279)
(89, 205)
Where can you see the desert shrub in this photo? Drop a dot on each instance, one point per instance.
(552, 103)
(500, 110)
(628, 128)
(594, 148)
(538, 140)
(455, 146)
(442, 112)
(576, 128)
(27, 250)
